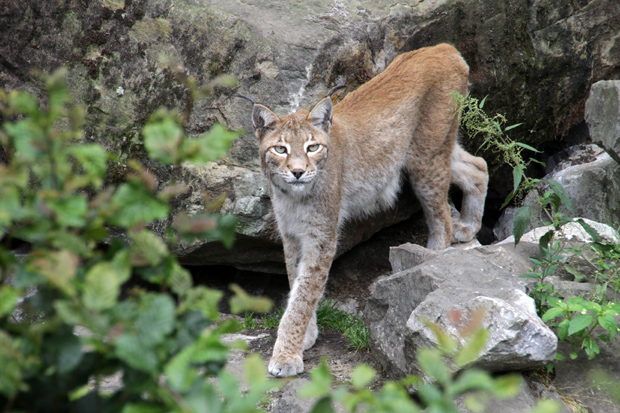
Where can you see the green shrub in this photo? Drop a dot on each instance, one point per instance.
(162, 337)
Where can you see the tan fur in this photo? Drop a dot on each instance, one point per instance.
(343, 162)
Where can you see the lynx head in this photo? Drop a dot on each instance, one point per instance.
(293, 148)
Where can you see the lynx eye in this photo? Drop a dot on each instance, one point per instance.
(313, 148)
(280, 149)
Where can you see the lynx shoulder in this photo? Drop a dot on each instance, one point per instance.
(336, 163)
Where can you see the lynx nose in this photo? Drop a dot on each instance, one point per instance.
(298, 172)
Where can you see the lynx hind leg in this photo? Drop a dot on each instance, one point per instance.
(431, 182)
(470, 174)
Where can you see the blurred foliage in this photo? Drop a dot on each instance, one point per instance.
(68, 320)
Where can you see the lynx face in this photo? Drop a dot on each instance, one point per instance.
(294, 149)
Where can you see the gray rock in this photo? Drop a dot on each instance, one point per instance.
(289, 402)
(578, 378)
(409, 255)
(523, 402)
(455, 280)
(603, 113)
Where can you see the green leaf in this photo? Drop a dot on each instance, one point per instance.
(155, 318)
(445, 342)
(24, 102)
(558, 189)
(362, 376)
(430, 395)
(433, 365)
(203, 299)
(8, 300)
(180, 279)
(509, 198)
(242, 301)
(163, 139)
(69, 354)
(147, 248)
(323, 405)
(579, 276)
(521, 222)
(543, 242)
(131, 350)
(212, 146)
(552, 313)
(608, 322)
(547, 406)
(134, 204)
(472, 349)
(507, 386)
(506, 129)
(79, 392)
(563, 329)
(481, 105)
(517, 176)
(471, 379)
(320, 384)
(101, 287)
(93, 158)
(58, 267)
(70, 211)
(528, 147)
(591, 231)
(579, 323)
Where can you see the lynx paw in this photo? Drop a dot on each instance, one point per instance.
(461, 232)
(285, 365)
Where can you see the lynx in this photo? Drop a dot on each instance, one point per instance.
(342, 162)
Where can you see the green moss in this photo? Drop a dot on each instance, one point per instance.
(148, 30)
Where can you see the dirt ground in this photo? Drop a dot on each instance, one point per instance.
(330, 345)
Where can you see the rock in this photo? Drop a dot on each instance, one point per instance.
(289, 402)
(409, 255)
(603, 113)
(523, 402)
(126, 59)
(461, 281)
(593, 188)
(578, 377)
(572, 231)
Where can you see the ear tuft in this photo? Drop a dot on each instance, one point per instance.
(321, 115)
(262, 119)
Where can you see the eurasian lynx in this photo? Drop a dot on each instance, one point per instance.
(333, 164)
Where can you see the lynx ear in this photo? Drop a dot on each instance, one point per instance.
(321, 115)
(262, 119)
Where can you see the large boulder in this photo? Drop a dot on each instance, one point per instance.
(457, 282)
(535, 59)
(603, 113)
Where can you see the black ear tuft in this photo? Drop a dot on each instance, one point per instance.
(262, 119)
(321, 115)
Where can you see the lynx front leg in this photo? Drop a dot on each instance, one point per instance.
(292, 256)
(287, 359)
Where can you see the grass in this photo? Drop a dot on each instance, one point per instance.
(329, 317)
